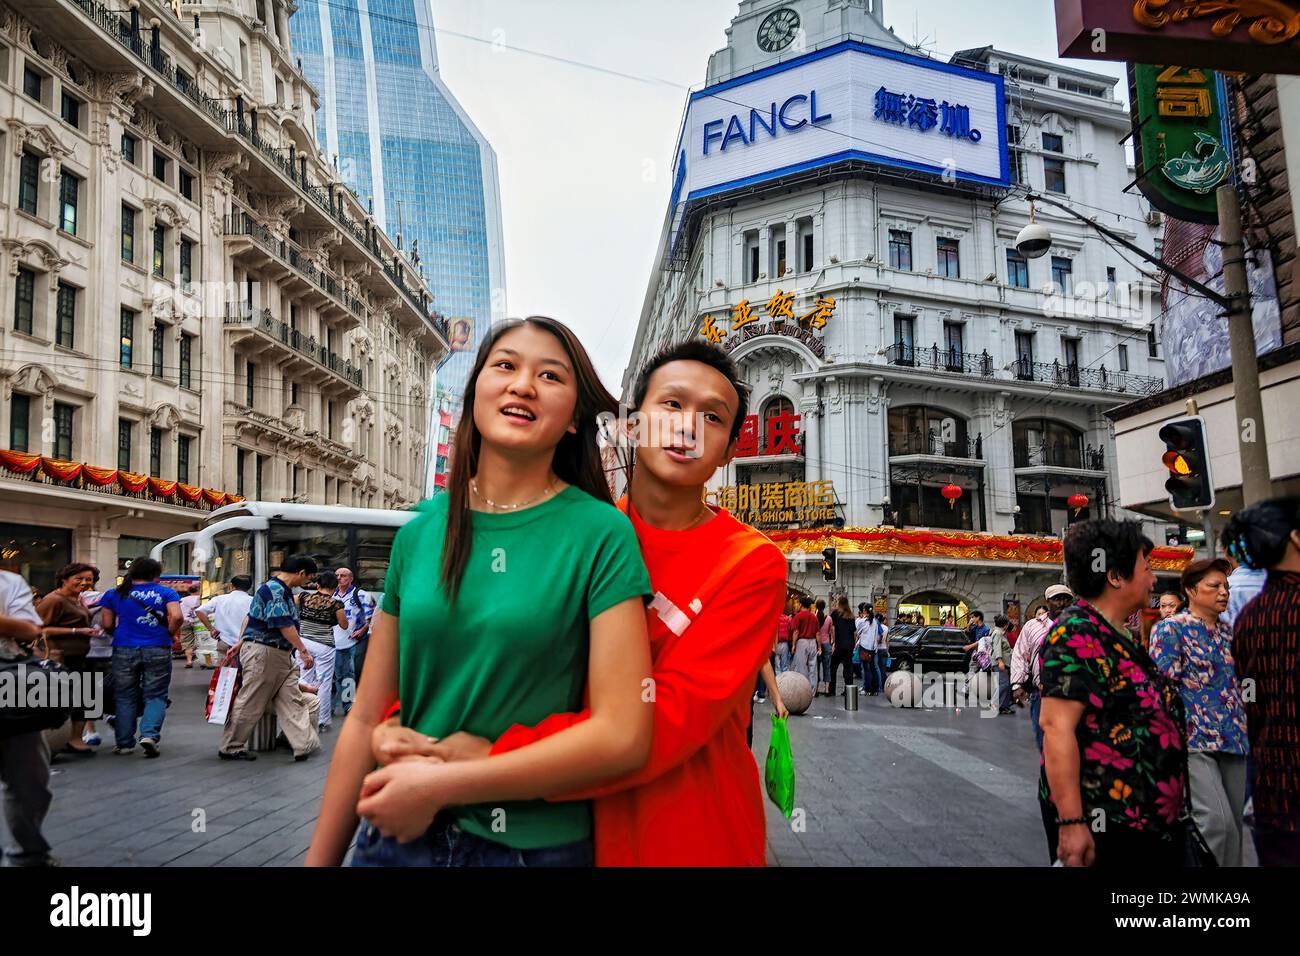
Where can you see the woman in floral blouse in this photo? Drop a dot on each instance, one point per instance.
(1113, 773)
(1194, 650)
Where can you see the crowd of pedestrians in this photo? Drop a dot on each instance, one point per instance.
(127, 635)
(1153, 754)
(821, 646)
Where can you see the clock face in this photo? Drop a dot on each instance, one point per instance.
(778, 29)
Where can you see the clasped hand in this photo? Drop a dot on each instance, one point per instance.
(402, 798)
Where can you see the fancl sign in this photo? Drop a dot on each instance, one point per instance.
(848, 101)
(765, 122)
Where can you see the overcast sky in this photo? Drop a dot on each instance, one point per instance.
(584, 154)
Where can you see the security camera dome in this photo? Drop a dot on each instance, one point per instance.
(1034, 240)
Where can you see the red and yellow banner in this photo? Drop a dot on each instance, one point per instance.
(129, 481)
(62, 470)
(950, 544)
(98, 476)
(163, 489)
(21, 463)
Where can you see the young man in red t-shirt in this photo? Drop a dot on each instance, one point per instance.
(719, 588)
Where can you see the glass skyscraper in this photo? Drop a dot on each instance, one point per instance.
(403, 143)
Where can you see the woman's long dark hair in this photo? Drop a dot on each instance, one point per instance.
(577, 457)
(141, 569)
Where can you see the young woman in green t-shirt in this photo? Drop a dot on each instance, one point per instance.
(503, 597)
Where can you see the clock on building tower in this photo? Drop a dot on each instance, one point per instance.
(778, 29)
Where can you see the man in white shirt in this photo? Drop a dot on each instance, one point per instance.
(350, 648)
(1026, 657)
(24, 757)
(228, 612)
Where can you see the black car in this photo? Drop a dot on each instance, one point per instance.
(930, 648)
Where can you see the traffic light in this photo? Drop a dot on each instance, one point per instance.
(828, 564)
(1186, 456)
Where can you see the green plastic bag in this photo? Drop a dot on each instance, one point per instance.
(780, 767)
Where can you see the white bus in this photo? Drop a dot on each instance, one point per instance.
(254, 537)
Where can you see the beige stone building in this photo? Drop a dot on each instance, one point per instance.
(195, 306)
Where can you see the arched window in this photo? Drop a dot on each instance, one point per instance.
(921, 430)
(1043, 441)
(773, 408)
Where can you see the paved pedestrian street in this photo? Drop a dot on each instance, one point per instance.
(878, 787)
(883, 786)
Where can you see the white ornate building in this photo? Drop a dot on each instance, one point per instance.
(931, 355)
(191, 296)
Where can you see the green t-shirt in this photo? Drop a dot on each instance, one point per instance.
(514, 648)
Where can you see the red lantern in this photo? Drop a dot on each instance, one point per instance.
(951, 492)
(1078, 502)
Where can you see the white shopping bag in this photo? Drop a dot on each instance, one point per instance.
(223, 693)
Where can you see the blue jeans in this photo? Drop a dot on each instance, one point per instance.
(344, 670)
(782, 657)
(141, 677)
(359, 657)
(445, 844)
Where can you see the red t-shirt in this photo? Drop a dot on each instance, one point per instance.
(806, 624)
(697, 801)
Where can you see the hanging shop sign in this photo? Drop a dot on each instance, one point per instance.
(1252, 36)
(778, 504)
(1182, 142)
(747, 324)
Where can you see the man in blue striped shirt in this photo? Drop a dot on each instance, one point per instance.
(268, 673)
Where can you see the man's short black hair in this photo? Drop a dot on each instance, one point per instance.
(296, 563)
(806, 601)
(697, 350)
(978, 614)
(1092, 548)
(241, 582)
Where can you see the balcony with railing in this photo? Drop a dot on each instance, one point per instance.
(1074, 376)
(243, 224)
(116, 483)
(940, 359)
(1058, 455)
(117, 24)
(932, 444)
(243, 315)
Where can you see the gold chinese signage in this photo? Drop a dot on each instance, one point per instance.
(778, 503)
(1255, 36)
(747, 322)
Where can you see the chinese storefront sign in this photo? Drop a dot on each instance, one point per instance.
(779, 309)
(778, 503)
(1182, 142)
(782, 436)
